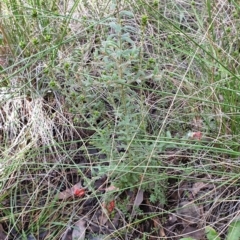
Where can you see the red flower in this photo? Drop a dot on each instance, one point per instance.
(197, 135)
(110, 206)
(79, 192)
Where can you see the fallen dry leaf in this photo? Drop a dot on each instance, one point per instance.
(3, 236)
(75, 190)
(157, 224)
(188, 212)
(138, 199)
(100, 218)
(111, 188)
(197, 187)
(193, 232)
(103, 218)
(79, 230)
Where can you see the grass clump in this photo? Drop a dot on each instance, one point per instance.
(134, 102)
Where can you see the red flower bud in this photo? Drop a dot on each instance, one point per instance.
(79, 192)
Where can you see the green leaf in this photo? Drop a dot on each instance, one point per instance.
(115, 26)
(234, 230)
(130, 29)
(211, 233)
(125, 37)
(168, 134)
(126, 13)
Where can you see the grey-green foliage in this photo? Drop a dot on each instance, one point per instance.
(116, 111)
(119, 53)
